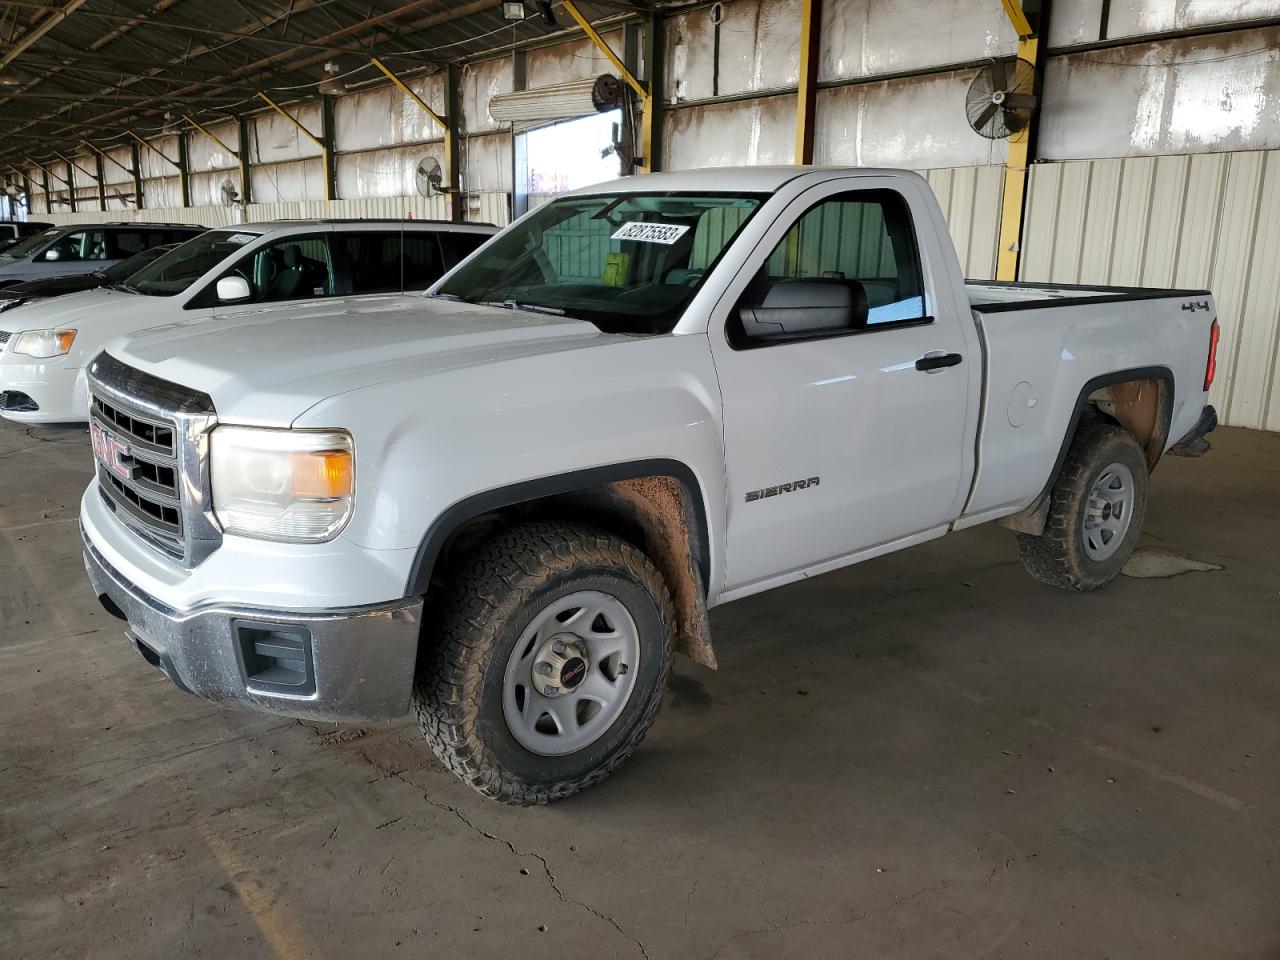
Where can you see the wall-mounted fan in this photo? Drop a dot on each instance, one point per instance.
(1001, 99)
(429, 177)
(230, 195)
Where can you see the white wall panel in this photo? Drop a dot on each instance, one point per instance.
(866, 38)
(1210, 220)
(480, 82)
(575, 60)
(486, 163)
(161, 192)
(759, 50)
(918, 123)
(1206, 94)
(386, 117)
(759, 131)
(204, 153)
(1080, 21)
(273, 139)
(384, 173)
(159, 159)
(296, 182)
(118, 171)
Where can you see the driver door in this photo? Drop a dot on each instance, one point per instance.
(845, 397)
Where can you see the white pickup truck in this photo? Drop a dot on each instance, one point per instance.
(505, 503)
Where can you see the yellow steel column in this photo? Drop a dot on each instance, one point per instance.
(1017, 159)
(807, 92)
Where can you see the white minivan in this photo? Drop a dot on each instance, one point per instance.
(45, 347)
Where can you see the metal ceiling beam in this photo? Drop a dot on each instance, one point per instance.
(56, 16)
(250, 68)
(264, 23)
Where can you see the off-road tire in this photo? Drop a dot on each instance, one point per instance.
(1057, 557)
(501, 588)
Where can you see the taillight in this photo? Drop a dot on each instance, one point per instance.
(1211, 367)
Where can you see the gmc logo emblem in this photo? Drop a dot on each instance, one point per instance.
(110, 452)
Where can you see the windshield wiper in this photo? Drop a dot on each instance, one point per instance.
(452, 297)
(516, 305)
(124, 287)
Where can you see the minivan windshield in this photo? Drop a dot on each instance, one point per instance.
(29, 245)
(188, 262)
(628, 263)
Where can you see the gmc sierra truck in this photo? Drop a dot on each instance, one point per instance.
(503, 504)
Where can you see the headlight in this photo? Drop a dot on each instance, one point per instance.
(292, 485)
(43, 344)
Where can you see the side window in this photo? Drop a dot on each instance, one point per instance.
(374, 260)
(127, 243)
(848, 265)
(422, 262)
(294, 269)
(84, 245)
(459, 246)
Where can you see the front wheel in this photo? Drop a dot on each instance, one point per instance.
(553, 651)
(1096, 511)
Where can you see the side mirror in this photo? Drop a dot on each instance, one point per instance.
(806, 307)
(233, 290)
(53, 254)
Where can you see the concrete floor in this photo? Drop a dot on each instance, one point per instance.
(928, 755)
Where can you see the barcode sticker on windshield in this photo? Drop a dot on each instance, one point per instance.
(667, 233)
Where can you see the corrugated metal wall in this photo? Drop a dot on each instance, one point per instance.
(487, 207)
(1208, 220)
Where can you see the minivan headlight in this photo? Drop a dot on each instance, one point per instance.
(43, 344)
(290, 485)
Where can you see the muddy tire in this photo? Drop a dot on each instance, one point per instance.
(549, 658)
(1096, 511)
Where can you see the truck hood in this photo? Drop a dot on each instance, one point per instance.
(269, 365)
(78, 310)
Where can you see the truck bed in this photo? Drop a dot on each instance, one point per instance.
(1041, 362)
(994, 296)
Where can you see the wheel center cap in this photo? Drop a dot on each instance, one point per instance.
(560, 666)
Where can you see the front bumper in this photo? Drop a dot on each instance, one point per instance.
(353, 664)
(56, 390)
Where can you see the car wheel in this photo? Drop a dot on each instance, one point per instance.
(1096, 510)
(552, 653)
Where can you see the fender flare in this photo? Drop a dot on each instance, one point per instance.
(1161, 373)
(468, 508)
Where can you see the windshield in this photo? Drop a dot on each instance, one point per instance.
(25, 248)
(188, 262)
(119, 272)
(628, 263)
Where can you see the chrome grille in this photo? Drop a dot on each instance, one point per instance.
(4, 337)
(154, 436)
(150, 444)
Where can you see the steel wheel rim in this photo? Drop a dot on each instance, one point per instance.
(592, 623)
(1108, 511)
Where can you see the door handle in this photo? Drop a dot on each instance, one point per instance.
(936, 361)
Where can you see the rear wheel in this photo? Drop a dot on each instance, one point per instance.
(552, 654)
(1096, 511)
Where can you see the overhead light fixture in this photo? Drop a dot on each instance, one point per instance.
(331, 86)
(9, 79)
(512, 10)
